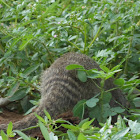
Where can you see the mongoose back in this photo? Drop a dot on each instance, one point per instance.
(61, 89)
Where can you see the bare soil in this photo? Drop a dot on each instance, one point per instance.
(6, 116)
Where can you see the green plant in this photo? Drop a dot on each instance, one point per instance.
(34, 33)
(9, 133)
(84, 130)
(99, 107)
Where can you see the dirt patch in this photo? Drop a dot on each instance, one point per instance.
(8, 116)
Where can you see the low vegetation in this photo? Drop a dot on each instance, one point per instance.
(35, 33)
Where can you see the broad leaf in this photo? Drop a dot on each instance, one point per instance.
(24, 136)
(87, 124)
(18, 95)
(107, 97)
(13, 89)
(82, 76)
(40, 118)
(81, 137)
(31, 69)
(119, 82)
(134, 126)
(120, 134)
(92, 102)
(4, 136)
(136, 102)
(74, 66)
(71, 127)
(71, 135)
(78, 109)
(44, 131)
(104, 68)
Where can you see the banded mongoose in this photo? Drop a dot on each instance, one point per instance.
(61, 89)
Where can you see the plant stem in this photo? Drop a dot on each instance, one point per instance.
(97, 34)
(85, 34)
(128, 53)
(51, 57)
(75, 45)
(101, 97)
(5, 4)
(111, 89)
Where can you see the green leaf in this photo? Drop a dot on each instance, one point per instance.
(120, 123)
(115, 68)
(92, 102)
(94, 76)
(120, 134)
(25, 42)
(31, 69)
(44, 131)
(9, 129)
(47, 114)
(108, 75)
(82, 76)
(14, 87)
(108, 122)
(81, 137)
(13, 68)
(85, 1)
(104, 53)
(52, 136)
(78, 109)
(86, 125)
(115, 71)
(72, 37)
(94, 73)
(14, 42)
(62, 121)
(4, 136)
(136, 102)
(71, 127)
(7, 54)
(24, 136)
(106, 110)
(82, 122)
(71, 135)
(119, 82)
(18, 95)
(30, 110)
(74, 66)
(134, 126)
(104, 68)
(40, 118)
(117, 109)
(115, 38)
(96, 113)
(107, 97)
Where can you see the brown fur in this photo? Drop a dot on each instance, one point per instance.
(61, 89)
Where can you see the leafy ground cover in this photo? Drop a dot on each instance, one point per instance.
(83, 131)
(35, 33)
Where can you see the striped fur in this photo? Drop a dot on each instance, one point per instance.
(61, 89)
